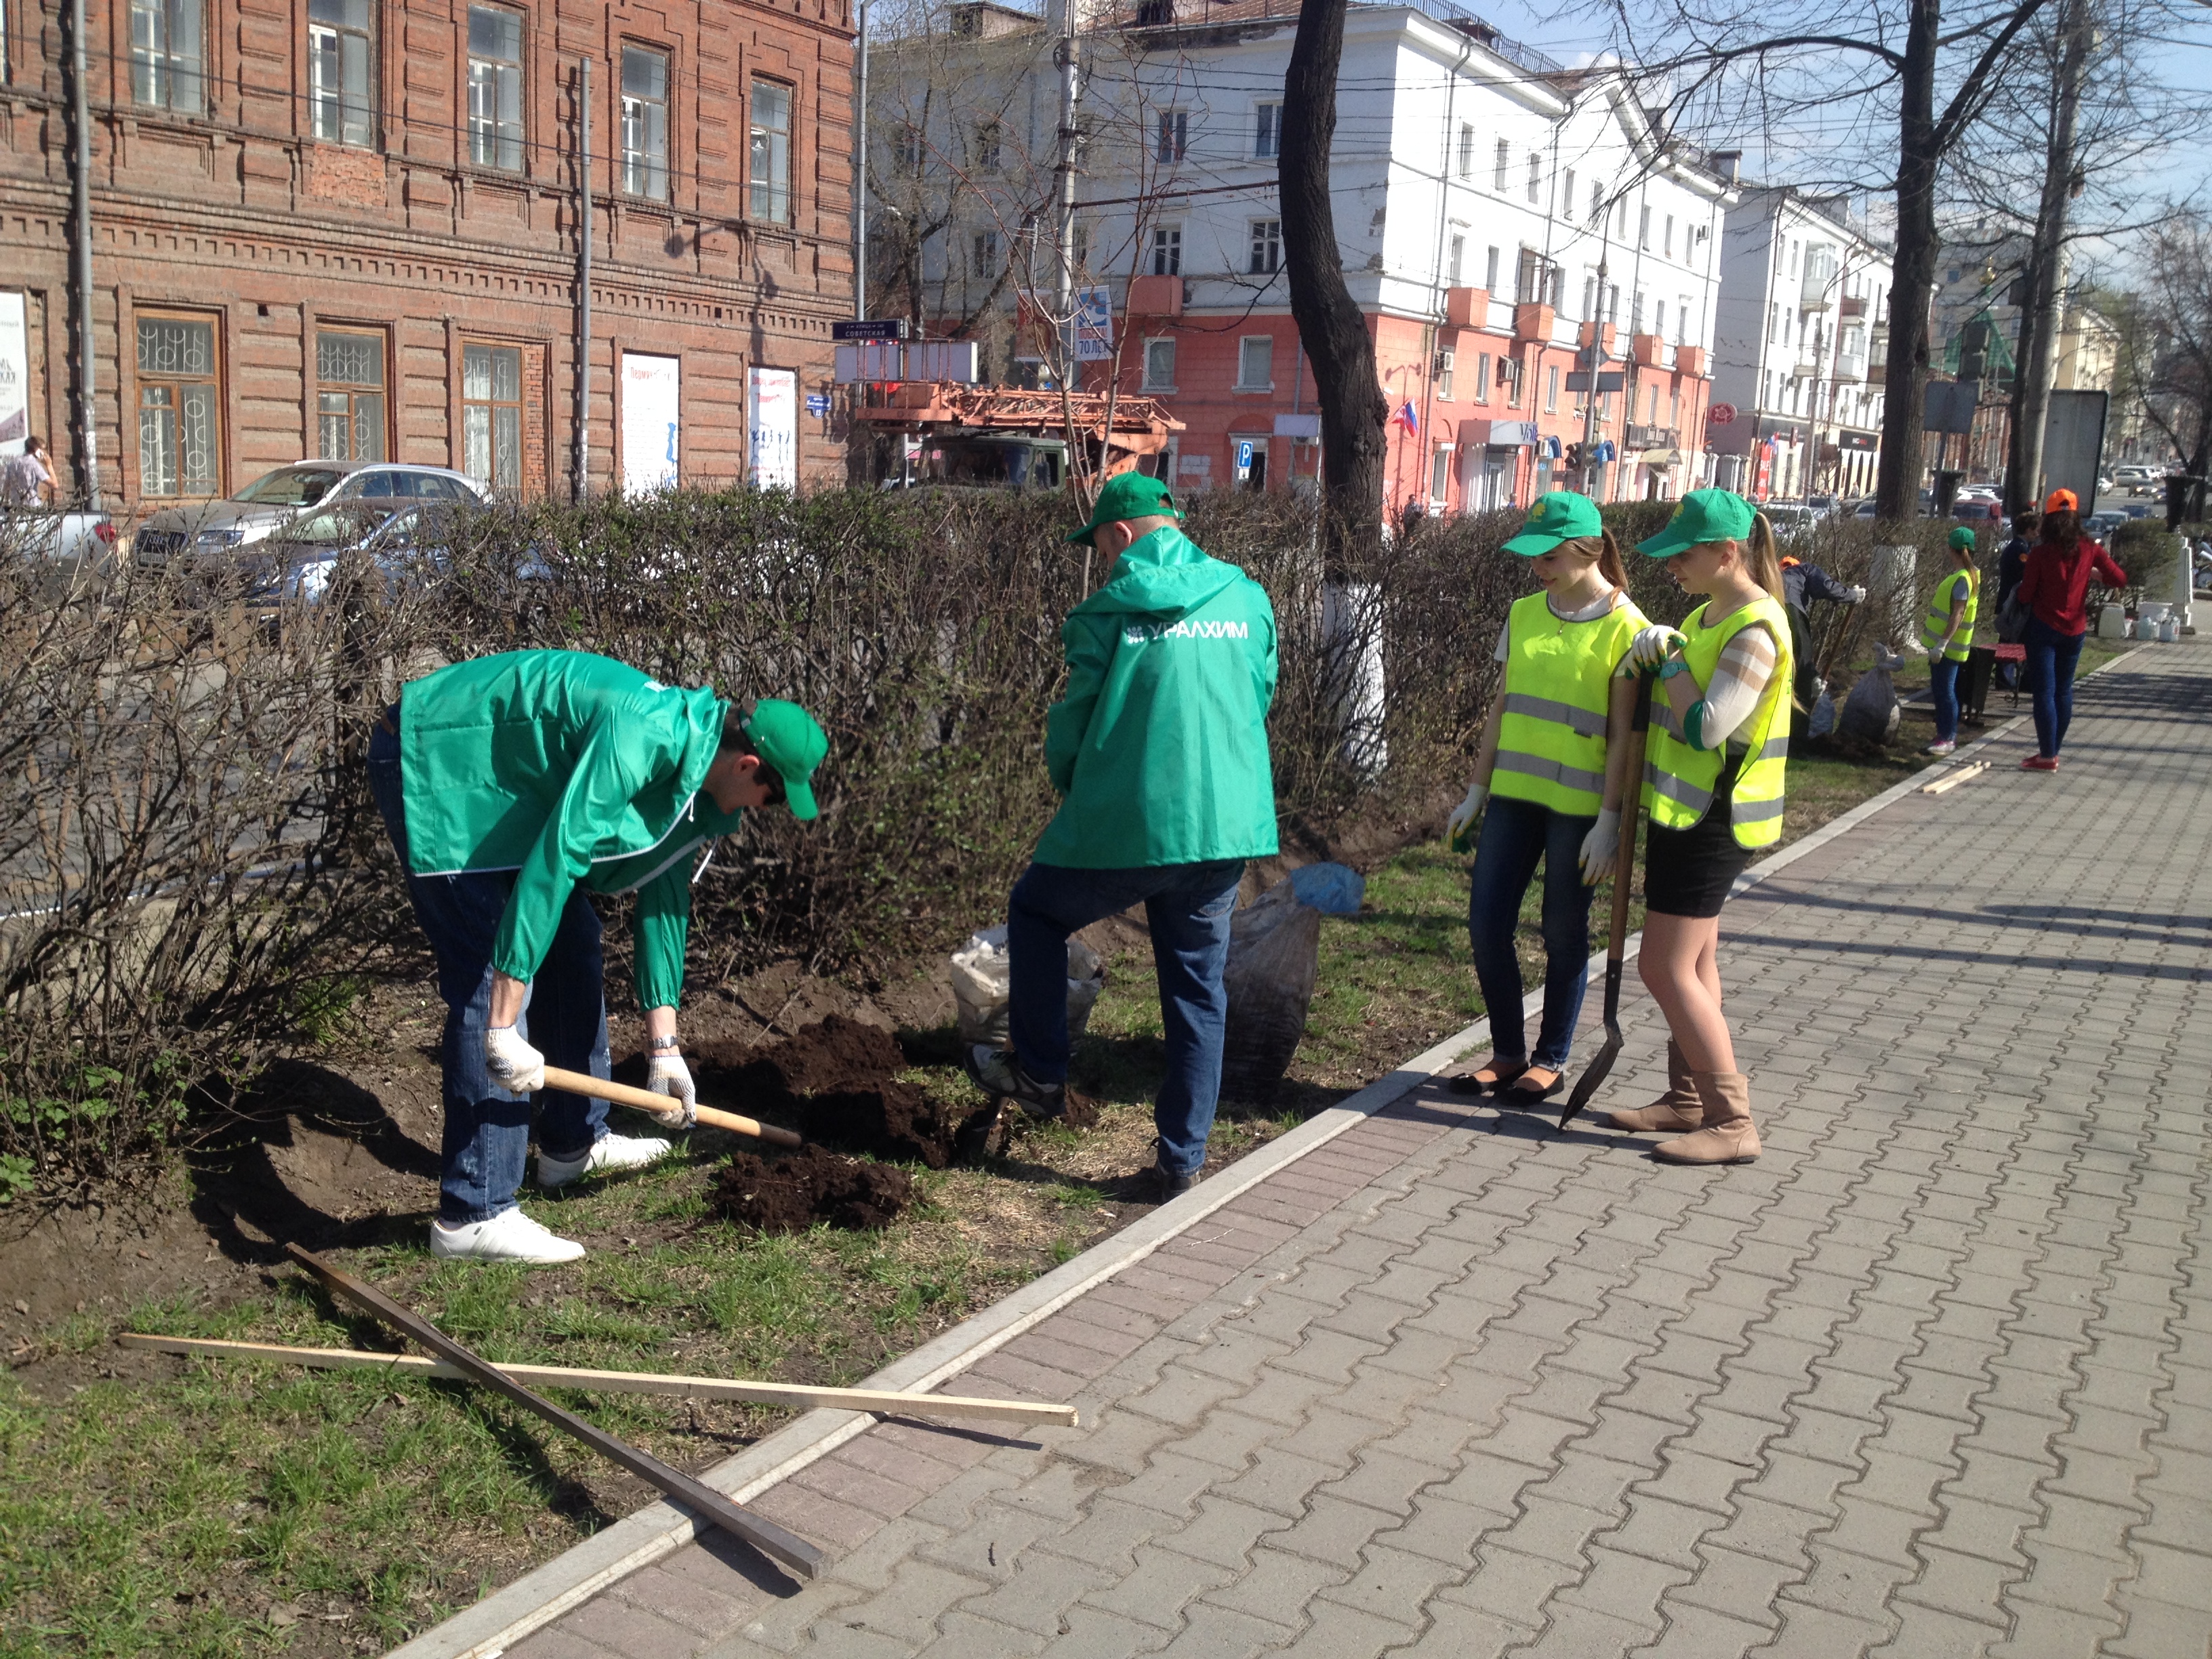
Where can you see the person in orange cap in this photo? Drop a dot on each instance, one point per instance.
(2054, 588)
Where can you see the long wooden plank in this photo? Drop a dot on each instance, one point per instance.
(660, 1106)
(1953, 779)
(568, 1377)
(787, 1549)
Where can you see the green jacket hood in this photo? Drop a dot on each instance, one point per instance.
(1165, 575)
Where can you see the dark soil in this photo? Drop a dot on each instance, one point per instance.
(789, 1195)
(834, 1081)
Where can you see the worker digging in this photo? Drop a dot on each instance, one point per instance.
(512, 787)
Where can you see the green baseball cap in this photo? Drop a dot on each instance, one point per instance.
(1560, 516)
(1961, 537)
(1703, 515)
(786, 737)
(1127, 496)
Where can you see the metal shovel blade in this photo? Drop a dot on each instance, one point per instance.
(1616, 941)
(1601, 1063)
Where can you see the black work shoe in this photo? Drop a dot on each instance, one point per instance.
(1158, 1184)
(999, 1073)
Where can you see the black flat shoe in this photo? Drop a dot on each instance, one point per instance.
(1520, 1089)
(1490, 1078)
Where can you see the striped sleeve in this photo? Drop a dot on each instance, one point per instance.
(1746, 664)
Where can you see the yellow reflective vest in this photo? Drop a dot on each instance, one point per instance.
(1558, 677)
(1678, 780)
(1937, 621)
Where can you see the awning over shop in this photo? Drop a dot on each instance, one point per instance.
(1659, 458)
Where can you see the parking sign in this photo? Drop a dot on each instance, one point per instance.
(1243, 458)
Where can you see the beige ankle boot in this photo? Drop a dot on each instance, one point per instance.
(1728, 1136)
(1675, 1112)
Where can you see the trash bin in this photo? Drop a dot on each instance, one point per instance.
(1974, 679)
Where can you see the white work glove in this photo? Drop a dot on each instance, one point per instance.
(514, 1064)
(1599, 847)
(667, 1074)
(1855, 596)
(1654, 645)
(1464, 814)
(1935, 651)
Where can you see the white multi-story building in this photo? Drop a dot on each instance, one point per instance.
(1495, 214)
(1798, 354)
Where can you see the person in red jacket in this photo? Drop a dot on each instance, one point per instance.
(2054, 589)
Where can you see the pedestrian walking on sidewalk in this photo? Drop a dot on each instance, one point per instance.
(2054, 586)
(1720, 726)
(1549, 767)
(512, 786)
(1947, 633)
(1158, 748)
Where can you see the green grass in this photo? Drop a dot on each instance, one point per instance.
(221, 1509)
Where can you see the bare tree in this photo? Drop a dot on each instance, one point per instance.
(2166, 342)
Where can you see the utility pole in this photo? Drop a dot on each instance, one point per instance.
(580, 483)
(1066, 56)
(860, 176)
(2038, 323)
(80, 288)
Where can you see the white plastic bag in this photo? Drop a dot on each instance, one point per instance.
(982, 983)
(1274, 954)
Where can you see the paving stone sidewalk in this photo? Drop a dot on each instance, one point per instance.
(1933, 1377)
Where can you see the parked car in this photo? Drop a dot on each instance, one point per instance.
(1978, 511)
(275, 499)
(60, 538)
(2136, 480)
(2101, 525)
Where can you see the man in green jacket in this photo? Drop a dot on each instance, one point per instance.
(513, 786)
(1159, 750)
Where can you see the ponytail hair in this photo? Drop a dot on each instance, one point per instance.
(1761, 558)
(1610, 565)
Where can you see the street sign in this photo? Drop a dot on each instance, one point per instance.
(818, 403)
(1721, 415)
(1609, 379)
(885, 328)
(1243, 458)
(1094, 324)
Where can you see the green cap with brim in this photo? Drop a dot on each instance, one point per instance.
(1703, 515)
(1127, 496)
(1560, 516)
(1962, 536)
(786, 737)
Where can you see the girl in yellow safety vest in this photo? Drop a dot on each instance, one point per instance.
(1549, 766)
(1720, 733)
(1947, 632)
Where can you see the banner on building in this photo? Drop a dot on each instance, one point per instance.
(652, 389)
(1094, 324)
(772, 417)
(14, 376)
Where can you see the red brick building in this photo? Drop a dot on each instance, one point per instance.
(349, 229)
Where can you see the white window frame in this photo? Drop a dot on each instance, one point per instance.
(1167, 250)
(1447, 363)
(1152, 343)
(340, 111)
(1266, 246)
(1266, 131)
(1244, 343)
(1174, 139)
(645, 146)
(1502, 166)
(496, 89)
(768, 160)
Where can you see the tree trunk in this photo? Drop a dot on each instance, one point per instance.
(1334, 333)
(1912, 273)
(2039, 327)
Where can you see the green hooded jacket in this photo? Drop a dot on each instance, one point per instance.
(563, 767)
(1160, 744)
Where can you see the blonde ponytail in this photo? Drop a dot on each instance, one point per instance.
(1609, 563)
(1761, 558)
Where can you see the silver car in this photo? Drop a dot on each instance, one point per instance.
(275, 499)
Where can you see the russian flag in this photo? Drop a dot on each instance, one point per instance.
(1406, 417)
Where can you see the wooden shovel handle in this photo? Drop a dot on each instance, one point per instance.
(644, 1100)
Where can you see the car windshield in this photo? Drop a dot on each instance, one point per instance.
(300, 486)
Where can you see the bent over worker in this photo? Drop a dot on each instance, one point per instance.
(1159, 751)
(513, 786)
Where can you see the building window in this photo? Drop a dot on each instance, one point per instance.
(1446, 360)
(644, 122)
(1509, 376)
(1567, 197)
(1674, 409)
(1552, 390)
(1651, 406)
(1175, 134)
(1482, 379)
(1266, 246)
(1497, 170)
(341, 67)
(1490, 270)
(990, 139)
(1667, 241)
(1256, 363)
(1589, 297)
(495, 88)
(1535, 280)
(349, 397)
(165, 55)
(1644, 230)
(1536, 177)
(1440, 476)
(180, 432)
(491, 415)
(983, 254)
(1636, 315)
(1597, 203)
(1167, 250)
(1682, 321)
(1458, 258)
(907, 149)
(1465, 149)
(1159, 364)
(1266, 131)
(1659, 319)
(771, 152)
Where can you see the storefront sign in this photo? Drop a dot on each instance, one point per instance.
(651, 400)
(772, 403)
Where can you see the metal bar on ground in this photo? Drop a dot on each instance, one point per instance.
(787, 1549)
(889, 1401)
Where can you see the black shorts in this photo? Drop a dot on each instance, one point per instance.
(1688, 872)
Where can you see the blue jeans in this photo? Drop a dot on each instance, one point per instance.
(1943, 687)
(1515, 835)
(486, 1138)
(2051, 656)
(1187, 906)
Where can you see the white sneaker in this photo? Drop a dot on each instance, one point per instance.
(510, 1235)
(609, 1154)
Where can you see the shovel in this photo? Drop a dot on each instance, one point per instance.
(1624, 867)
(662, 1107)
